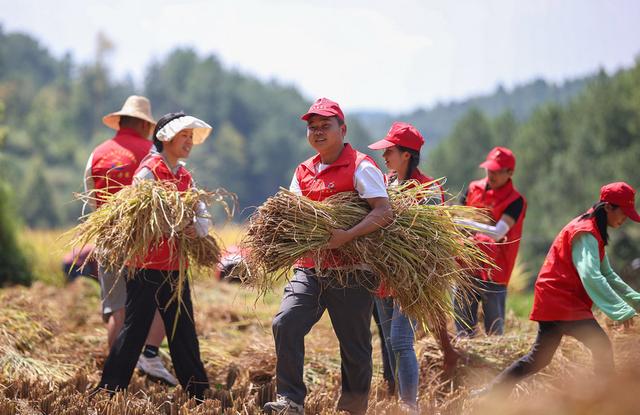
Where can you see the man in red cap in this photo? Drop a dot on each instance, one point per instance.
(500, 240)
(576, 274)
(336, 168)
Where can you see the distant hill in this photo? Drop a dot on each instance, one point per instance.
(54, 106)
(438, 122)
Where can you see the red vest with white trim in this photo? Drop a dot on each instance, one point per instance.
(504, 253)
(335, 178)
(162, 256)
(559, 293)
(115, 161)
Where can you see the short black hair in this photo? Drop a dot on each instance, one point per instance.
(164, 120)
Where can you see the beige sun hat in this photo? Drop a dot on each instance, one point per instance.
(135, 106)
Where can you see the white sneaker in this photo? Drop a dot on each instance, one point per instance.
(283, 405)
(153, 367)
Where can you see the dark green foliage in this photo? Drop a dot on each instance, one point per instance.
(439, 122)
(14, 268)
(257, 141)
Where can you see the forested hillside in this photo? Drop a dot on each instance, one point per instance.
(54, 109)
(564, 154)
(438, 122)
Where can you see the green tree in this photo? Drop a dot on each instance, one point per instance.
(39, 206)
(14, 267)
(459, 156)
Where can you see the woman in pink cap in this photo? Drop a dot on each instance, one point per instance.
(401, 147)
(576, 274)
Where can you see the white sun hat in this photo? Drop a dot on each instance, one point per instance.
(201, 129)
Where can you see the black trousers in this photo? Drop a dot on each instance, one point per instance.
(305, 299)
(148, 290)
(547, 341)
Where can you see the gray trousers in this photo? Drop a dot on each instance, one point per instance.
(305, 299)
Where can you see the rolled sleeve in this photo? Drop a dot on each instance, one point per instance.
(369, 181)
(586, 258)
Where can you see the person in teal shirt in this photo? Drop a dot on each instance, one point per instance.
(606, 289)
(575, 276)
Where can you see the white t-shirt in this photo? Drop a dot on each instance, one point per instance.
(367, 180)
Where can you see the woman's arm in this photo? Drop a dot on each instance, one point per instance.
(201, 221)
(628, 294)
(586, 258)
(497, 233)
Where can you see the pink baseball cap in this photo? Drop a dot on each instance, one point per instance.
(622, 195)
(499, 158)
(324, 107)
(400, 134)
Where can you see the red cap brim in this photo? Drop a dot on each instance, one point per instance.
(631, 213)
(491, 165)
(306, 116)
(381, 145)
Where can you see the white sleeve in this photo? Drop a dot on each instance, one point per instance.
(369, 181)
(294, 187)
(89, 184)
(144, 173)
(201, 220)
(495, 232)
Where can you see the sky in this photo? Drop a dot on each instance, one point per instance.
(390, 56)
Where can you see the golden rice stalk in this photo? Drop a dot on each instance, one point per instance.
(420, 257)
(141, 216)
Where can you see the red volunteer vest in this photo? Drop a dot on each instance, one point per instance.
(502, 254)
(160, 256)
(336, 178)
(559, 293)
(115, 161)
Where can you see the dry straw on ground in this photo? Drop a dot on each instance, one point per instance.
(63, 326)
(419, 257)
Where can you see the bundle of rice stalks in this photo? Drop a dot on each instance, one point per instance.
(419, 257)
(142, 215)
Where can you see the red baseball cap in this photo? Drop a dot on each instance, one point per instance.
(324, 107)
(400, 134)
(622, 195)
(499, 158)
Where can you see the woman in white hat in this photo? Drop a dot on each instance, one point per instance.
(152, 287)
(110, 167)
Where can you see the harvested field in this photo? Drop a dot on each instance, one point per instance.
(53, 344)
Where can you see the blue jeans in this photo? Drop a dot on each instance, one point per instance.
(399, 335)
(493, 297)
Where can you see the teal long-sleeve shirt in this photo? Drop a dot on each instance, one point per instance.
(606, 289)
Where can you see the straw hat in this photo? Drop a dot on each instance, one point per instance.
(135, 106)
